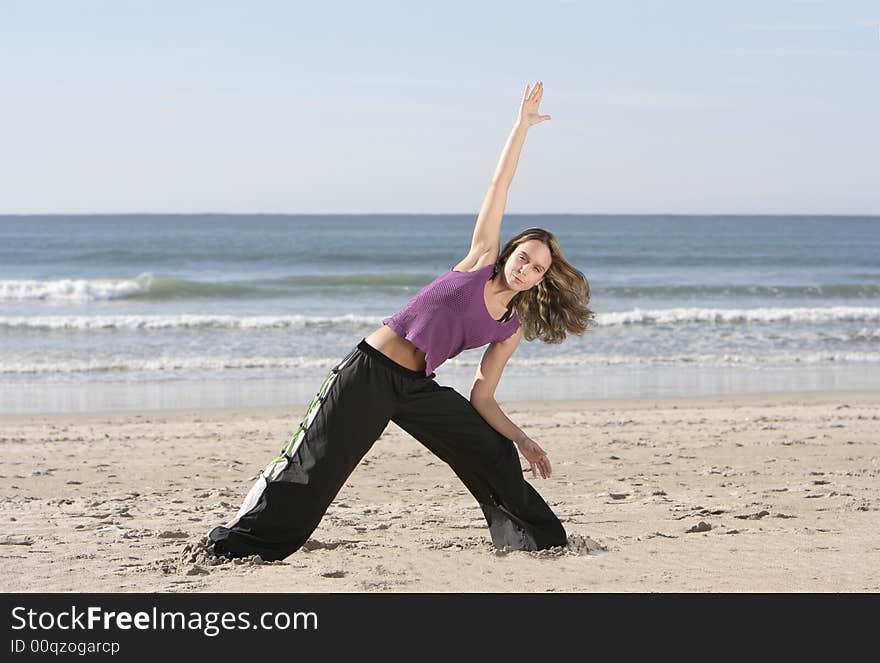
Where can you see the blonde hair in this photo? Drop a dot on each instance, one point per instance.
(559, 304)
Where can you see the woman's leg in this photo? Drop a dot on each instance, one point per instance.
(487, 462)
(289, 499)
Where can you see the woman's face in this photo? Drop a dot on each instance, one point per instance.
(527, 265)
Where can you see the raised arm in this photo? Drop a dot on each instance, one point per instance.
(486, 241)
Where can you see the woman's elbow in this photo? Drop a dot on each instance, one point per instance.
(481, 398)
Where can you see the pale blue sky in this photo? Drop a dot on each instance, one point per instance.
(255, 106)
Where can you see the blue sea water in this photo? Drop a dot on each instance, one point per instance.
(136, 311)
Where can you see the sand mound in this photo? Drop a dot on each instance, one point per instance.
(197, 558)
(577, 545)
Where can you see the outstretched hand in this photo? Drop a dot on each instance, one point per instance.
(536, 456)
(528, 110)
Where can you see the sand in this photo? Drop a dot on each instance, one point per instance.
(756, 493)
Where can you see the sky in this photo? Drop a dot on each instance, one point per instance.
(660, 107)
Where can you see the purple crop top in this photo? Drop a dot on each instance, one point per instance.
(449, 315)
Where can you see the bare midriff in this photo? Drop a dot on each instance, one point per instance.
(397, 348)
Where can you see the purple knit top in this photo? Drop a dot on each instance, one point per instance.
(449, 315)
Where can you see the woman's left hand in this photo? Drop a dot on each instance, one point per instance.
(536, 456)
(528, 110)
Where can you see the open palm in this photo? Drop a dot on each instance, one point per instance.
(528, 110)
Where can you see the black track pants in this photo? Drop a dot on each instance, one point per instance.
(354, 405)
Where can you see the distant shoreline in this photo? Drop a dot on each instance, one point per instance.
(868, 215)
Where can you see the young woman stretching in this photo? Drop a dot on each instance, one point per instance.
(527, 289)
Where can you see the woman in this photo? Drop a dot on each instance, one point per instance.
(491, 296)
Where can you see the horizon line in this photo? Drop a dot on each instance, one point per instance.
(814, 214)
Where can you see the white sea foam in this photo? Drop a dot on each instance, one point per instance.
(166, 364)
(674, 316)
(75, 290)
(87, 322)
(184, 366)
(705, 359)
(864, 334)
(808, 315)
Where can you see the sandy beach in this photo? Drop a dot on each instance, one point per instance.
(753, 493)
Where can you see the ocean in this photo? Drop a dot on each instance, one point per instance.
(109, 312)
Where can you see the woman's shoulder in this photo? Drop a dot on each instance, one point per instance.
(450, 285)
(473, 278)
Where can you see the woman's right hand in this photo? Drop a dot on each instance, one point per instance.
(528, 110)
(536, 456)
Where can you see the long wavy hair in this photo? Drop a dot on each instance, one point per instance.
(559, 304)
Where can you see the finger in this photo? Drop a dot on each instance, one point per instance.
(543, 117)
(534, 474)
(534, 91)
(545, 466)
(526, 95)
